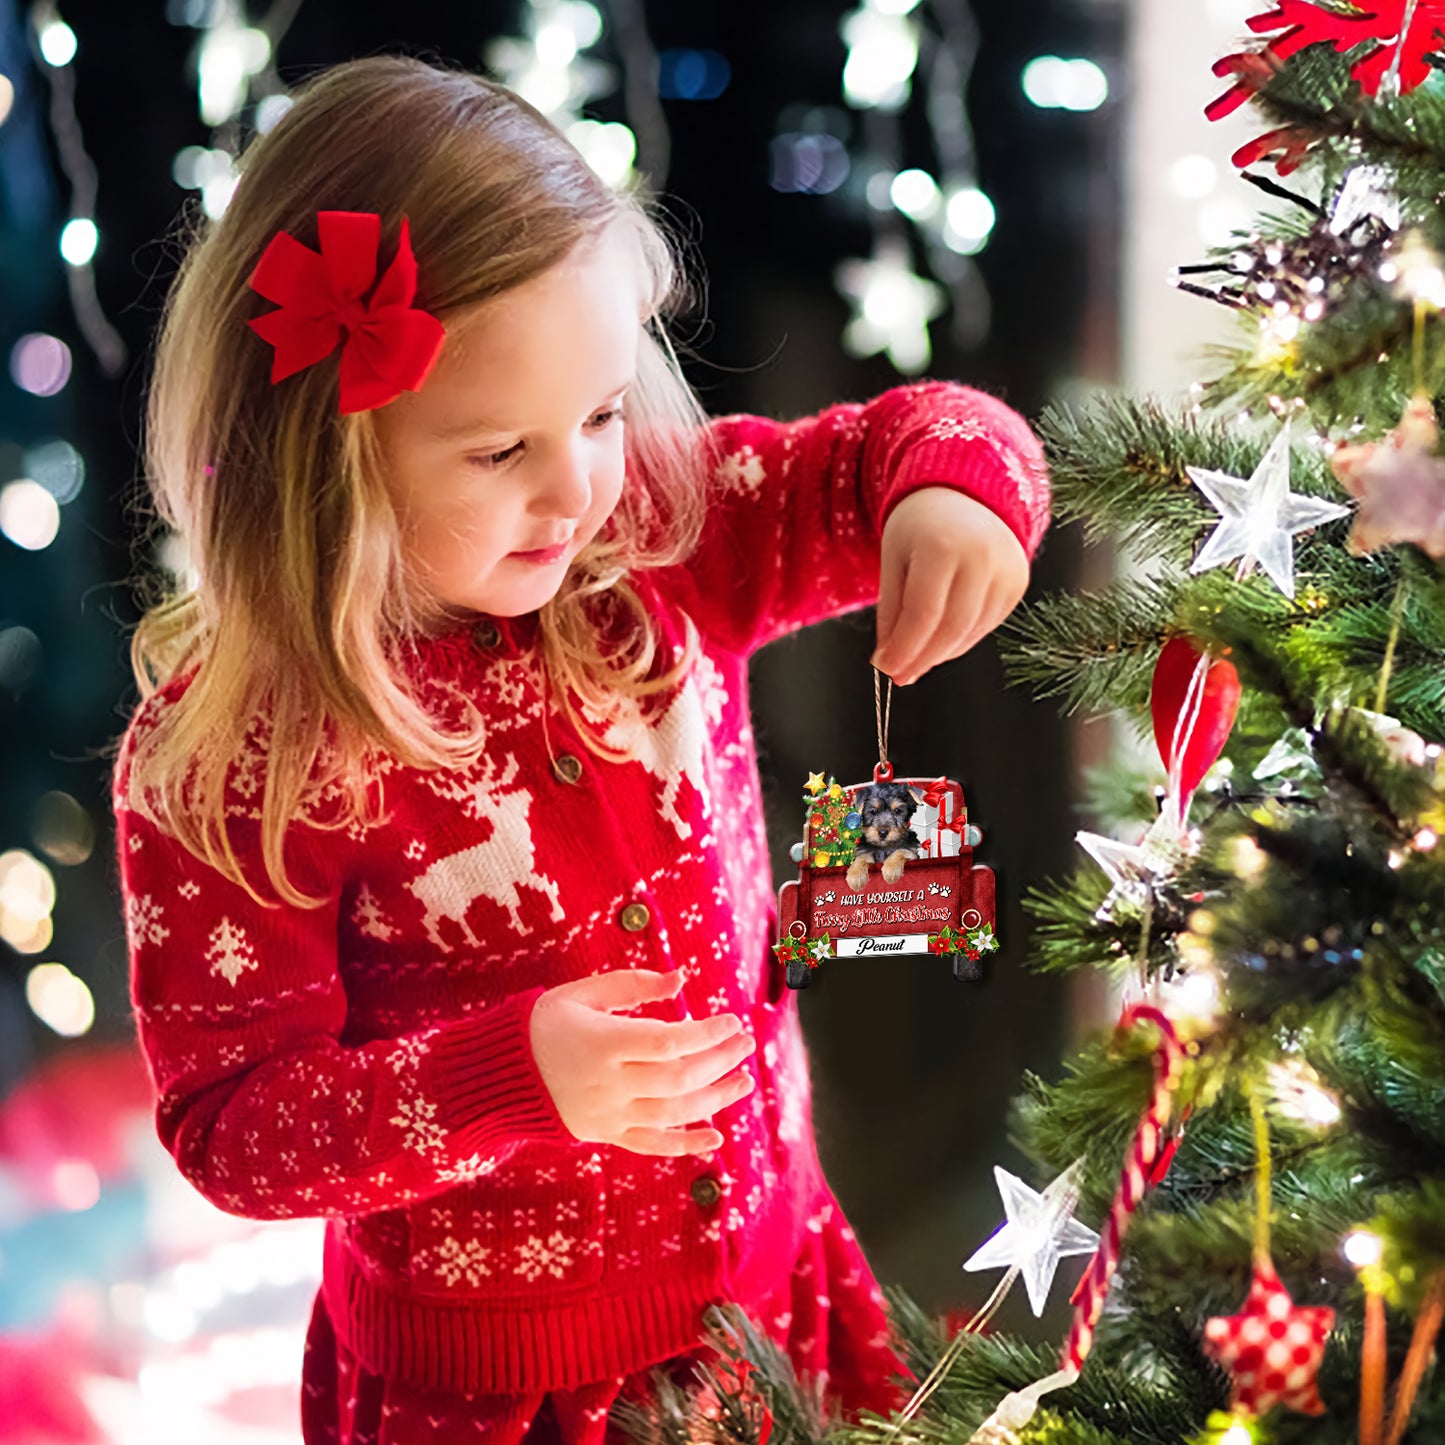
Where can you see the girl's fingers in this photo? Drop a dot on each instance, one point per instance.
(675, 1142)
(924, 605)
(957, 620)
(890, 591)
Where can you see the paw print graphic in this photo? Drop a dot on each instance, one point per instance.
(945, 890)
(933, 888)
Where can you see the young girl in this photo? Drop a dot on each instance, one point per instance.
(438, 825)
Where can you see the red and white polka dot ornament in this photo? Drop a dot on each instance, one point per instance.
(1272, 1348)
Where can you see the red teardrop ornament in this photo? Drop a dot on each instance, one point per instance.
(1217, 709)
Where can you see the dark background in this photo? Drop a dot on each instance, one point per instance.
(913, 1071)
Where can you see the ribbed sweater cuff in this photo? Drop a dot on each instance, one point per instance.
(484, 1079)
(976, 469)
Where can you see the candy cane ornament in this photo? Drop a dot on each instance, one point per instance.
(1138, 1173)
(1141, 1169)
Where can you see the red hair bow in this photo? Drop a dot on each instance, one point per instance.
(390, 347)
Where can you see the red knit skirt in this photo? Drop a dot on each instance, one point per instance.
(829, 1317)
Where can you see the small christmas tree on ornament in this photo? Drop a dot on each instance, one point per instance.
(833, 826)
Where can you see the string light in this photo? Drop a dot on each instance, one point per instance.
(57, 40)
(27, 896)
(882, 55)
(893, 306)
(944, 207)
(968, 220)
(1363, 1248)
(548, 66)
(1300, 1094)
(40, 364)
(56, 46)
(78, 241)
(60, 1000)
(1416, 271)
(230, 54)
(235, 65)
(1193, 176)
(1053, 83)
(7, 96)
(29, 517)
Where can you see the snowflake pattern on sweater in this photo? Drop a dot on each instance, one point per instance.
(369, 1061)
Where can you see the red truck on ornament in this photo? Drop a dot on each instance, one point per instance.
(932, 899)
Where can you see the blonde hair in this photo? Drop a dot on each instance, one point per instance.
(302, 591)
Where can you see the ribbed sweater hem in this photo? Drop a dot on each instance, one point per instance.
(463, 1349)
(979, 470)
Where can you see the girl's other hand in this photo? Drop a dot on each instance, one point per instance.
(637, 1083)
(951, 570)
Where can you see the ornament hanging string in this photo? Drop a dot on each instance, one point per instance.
(939, 1372)
(882, 713)
(1184, 726)
(1390, 81)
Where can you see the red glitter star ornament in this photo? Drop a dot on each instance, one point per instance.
(1272, 1348)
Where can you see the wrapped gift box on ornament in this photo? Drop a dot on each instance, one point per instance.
(885, 868)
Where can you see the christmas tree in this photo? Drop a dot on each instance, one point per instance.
(1261, 1141)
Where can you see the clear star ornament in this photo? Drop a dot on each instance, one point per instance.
(1039, 1231)
(1260, 517)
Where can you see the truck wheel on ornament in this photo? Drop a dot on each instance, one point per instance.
(941, 902)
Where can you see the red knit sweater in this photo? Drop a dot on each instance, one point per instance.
(369, 1061)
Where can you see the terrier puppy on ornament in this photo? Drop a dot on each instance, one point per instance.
(884, 810)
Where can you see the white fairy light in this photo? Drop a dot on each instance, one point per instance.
(60, 1000)
(1053, 83)
(1300, 1094)
(916, 194)
(1416, 271)
(78, 241)
(609, 148)
(58, 44)
(893, 306)
(29, 515)
(230, 55)
(885, 58)
(968, 220)
(547, 66)
(1363, 1248)
(882, 55)
(1193, 176)
(269, 110)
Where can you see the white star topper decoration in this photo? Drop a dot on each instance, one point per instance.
(1260, 516)
(1039, 1232)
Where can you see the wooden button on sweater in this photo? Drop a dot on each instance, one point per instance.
(634, 917)
(706, 1191)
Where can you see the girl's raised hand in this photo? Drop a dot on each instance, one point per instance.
(637, 1083)
(951, 571)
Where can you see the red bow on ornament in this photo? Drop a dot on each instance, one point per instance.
(933, 797)
(390, 347)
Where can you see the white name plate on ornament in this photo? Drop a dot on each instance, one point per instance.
(882, 943)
